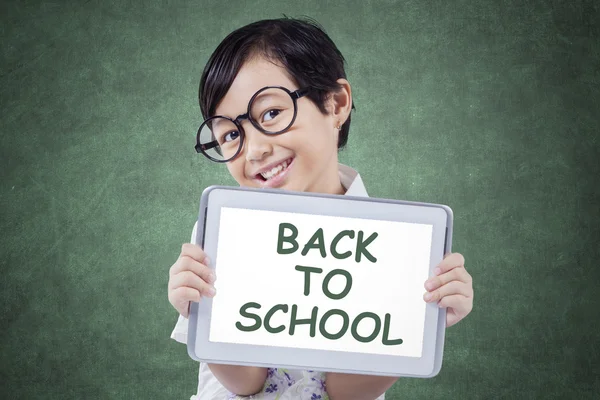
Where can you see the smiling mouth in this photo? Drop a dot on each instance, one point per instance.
(275, 171)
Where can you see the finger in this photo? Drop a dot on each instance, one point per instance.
(456, 274)
(450, 261)
(460, 304)
(449, 289)
(191, 280)
(181, 297)
(194, 252)
(187, 264)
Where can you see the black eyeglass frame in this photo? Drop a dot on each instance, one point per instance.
(202, 148)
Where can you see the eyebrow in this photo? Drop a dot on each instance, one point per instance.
(215, 124)
(261, 97)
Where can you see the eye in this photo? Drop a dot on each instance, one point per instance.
(271, 114)
(231, 136)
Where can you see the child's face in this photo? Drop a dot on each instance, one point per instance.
(308, 148)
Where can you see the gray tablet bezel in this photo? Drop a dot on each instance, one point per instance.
(215, 197)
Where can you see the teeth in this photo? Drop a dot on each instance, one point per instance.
(275, 170)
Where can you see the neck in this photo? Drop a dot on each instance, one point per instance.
(340, 189)
(331, 183)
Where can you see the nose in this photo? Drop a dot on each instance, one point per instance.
(257, 144)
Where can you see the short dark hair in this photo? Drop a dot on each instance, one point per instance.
(301, 46)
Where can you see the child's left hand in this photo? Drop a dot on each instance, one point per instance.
(452, 288)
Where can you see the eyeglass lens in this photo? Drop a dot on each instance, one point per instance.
(272, 109)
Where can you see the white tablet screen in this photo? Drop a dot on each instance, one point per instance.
(320, 282)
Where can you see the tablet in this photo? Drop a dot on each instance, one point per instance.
(320, 282)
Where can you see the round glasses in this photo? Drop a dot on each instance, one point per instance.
(272, 110)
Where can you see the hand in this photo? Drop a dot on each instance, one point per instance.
(452, 288)
(190, 278)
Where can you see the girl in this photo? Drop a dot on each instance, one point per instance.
(277, 106)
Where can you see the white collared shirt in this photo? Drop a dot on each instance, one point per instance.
(209, 388)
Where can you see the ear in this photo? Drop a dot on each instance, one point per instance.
(341, 102)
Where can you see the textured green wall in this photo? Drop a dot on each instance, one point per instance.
(491, 107)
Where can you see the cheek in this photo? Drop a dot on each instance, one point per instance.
(315, 132)
(236, 170)
(322, 134)
(317, 142)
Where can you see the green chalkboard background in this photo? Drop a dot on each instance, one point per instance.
(491, 107)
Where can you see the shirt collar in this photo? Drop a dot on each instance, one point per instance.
(352, 182)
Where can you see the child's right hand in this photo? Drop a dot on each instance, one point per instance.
(190, 278)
